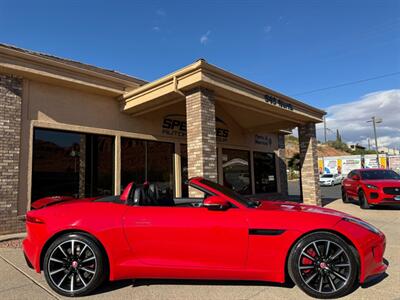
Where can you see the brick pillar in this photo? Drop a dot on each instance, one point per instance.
(201, 137)
(309, 164)
(10, 145)
(281, 156)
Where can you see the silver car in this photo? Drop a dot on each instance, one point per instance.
(330, 179)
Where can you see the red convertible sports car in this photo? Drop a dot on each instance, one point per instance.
(80, 243)
(372, 187)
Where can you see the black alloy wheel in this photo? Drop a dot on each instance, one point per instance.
(73, 265)
(323, 265)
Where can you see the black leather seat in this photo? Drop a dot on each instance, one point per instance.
(157, 198)
(136, 196)
(148, 195)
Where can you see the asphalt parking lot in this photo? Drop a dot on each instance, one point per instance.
(328, 193)
(17, 281)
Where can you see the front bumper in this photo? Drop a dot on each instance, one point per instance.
(379, 197)
(370, 247)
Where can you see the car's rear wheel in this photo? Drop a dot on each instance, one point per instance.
(323, 265)
(345, 198)
(74, 265)
(363, 200)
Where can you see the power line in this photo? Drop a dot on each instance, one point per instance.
(347, 83)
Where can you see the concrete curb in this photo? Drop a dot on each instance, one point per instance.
(12, 236)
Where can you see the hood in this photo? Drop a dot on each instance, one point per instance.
(54, 200)
(326, 179)
(383, 183)
(289, 206)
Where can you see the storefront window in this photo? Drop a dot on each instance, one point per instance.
(71, 164)
(160, 166)
(236, 170)
(147, 161)
(264, 172)
(133, 161)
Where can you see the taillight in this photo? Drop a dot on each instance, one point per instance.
(32, 219)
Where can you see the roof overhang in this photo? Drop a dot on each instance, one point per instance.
(50, 69)
(228, 89)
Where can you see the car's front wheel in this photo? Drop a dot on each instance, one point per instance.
(323, 265)
(363, 200)
(74, 265)
(345, 197)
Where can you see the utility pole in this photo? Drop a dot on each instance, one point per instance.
(325, 129)
(375, 121)
(369, 144)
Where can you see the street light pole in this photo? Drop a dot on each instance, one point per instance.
(376, 139)
(375, 121)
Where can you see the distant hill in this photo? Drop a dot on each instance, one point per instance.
(292, 147)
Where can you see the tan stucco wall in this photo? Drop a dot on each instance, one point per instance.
(50, 106)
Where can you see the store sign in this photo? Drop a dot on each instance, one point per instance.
(370, 162)
(331, 166)
(175, 125)
(350, 163)
(264, 140)
(278, 102)
(394, 163)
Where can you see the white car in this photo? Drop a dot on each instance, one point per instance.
(330, 179)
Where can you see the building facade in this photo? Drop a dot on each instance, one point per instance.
(71, 129)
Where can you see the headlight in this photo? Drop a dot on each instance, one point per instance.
(362, 224)
(371, 186)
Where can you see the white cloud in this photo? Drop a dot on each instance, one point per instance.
(351, 119)
(204, 38)
(161, 12)
(267, 29)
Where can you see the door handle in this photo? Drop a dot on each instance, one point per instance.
(142, 222)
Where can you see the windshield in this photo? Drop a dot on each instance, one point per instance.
(379, 175)
(327, 176)
(228, 192)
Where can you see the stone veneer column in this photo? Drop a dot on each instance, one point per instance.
(10, 145)
(311, 192)
(281, 156)
(201, 136)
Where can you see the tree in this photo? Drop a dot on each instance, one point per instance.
(294, 162)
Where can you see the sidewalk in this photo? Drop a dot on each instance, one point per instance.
(16, 285)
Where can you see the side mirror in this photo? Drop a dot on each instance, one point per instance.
(216, 203)
(355, 177)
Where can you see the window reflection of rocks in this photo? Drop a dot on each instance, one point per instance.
(236, 170)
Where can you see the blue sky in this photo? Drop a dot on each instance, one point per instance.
(290, 46)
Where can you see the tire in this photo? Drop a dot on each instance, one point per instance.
(78, 272)
(363, 200)
(331, 272)
(345, 198)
